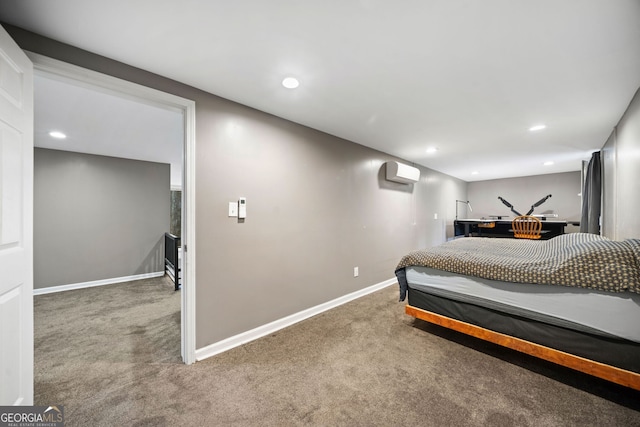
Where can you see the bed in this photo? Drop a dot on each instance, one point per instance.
(573, 300)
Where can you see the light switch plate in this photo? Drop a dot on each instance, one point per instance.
(233, 209)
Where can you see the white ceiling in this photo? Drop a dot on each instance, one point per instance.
(467, 76)
(97, 122)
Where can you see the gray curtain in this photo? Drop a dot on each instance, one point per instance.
(591, 197)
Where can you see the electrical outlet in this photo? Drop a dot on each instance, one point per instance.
(355, 272)
(435, 216)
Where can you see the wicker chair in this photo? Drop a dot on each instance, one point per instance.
(526, 227)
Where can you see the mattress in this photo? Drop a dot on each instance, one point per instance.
(586, 310)
(570, 260)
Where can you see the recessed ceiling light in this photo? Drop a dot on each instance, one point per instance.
(537, 128)
(290, 83)
(475, 173)
(549, 163)
(432, 149)
(57, 134)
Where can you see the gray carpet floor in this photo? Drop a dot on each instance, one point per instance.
(111, 356)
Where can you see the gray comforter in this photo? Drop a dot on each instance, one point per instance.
(576, 259)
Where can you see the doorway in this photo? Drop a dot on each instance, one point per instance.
(55, 69)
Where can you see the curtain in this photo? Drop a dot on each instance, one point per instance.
(591, 197)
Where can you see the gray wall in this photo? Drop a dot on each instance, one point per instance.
(608, 218)
(317, 207)
(621, 176)
(97, 217)
(523, 192)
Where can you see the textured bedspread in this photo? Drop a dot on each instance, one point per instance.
(576, 259)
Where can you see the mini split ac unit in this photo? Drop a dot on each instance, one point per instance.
(405, 174)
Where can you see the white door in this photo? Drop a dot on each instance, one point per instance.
(16, 224)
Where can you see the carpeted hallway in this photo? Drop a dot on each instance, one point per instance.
(111, 356)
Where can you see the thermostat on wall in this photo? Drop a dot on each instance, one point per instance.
(242, 207)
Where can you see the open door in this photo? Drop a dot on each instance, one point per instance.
(16, 224)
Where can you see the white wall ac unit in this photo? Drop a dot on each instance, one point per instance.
(405, 174)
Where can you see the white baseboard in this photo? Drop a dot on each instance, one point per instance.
(261, 331)
(61, 288)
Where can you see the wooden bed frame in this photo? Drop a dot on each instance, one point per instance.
(597, 369)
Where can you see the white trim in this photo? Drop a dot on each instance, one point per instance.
(82, 285)
(188, 280)
(269, 328)
(78, 75)
(84, 77)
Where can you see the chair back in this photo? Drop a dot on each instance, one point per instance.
(526, 227)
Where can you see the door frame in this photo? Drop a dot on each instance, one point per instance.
(123, 88)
